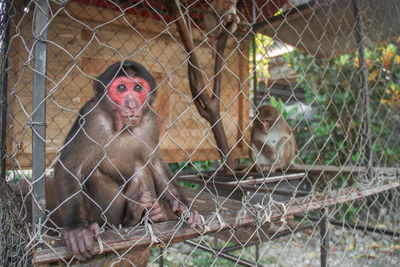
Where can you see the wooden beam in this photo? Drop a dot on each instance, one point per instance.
(139, 237)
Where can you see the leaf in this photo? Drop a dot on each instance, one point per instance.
(396, 247)
(359, 256)
(381, 226)
(313, 254)
(273, 102)
(375, 246)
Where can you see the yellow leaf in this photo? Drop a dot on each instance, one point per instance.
(368, 63)
(356, 63)
(375, 246)
(359, 256)
(389, 52)
(396, 247)
(373, 75)
(381, 226)
(313, 254)
(397, 59)
(351, 247)
(372, 256)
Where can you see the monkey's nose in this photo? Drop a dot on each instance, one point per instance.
(130, 103)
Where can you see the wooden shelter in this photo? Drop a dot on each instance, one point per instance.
(85, 37)
(326, 28)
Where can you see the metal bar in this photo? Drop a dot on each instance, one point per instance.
(237, 247)
(366, 228)
(364, 87)
(269, 180)
(324, 232)
(221, 254)
(257, 257)
(228, 179)
(4, 83)
(253, 42)
(160, 257)
(39, 113)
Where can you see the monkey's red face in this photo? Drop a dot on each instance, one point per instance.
(129, 94)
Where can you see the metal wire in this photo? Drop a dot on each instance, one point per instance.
(331, 67)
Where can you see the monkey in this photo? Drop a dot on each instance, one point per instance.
(109, 171)
(221, 14)
(272, 141)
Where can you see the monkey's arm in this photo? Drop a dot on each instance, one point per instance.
(141, 195)
(162, 175)
(78, 159)
(286, 149)
(265, 149)
(170, 190)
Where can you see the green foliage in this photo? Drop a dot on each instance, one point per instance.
(262, 44)
(286, 113)
(195, 166)
(189, 185)
(332, 88)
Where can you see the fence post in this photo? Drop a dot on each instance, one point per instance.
(161, 257)
(5, 23)
(38, 122)
(366, 118)
(254, 59)
(324, 233)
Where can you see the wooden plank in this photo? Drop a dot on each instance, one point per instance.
(244, 95)
(240, 180)
(316, 169)
(330, 169)
(139, 237)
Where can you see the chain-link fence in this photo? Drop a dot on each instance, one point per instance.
(330, 69)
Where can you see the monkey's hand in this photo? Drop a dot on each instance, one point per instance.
(159, 213)
(79, 240)
(134, 209)
(193, 218)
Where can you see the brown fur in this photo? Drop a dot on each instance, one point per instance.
(111, 175)
(271, 135)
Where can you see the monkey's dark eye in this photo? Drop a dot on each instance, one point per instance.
(121, 88)
(138, 88)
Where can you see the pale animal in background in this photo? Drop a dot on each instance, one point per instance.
(272, 141)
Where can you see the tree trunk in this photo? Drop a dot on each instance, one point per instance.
(208, 106)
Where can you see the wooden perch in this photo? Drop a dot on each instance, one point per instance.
(232, 217)
(208, 106)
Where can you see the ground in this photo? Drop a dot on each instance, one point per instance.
(347, 248)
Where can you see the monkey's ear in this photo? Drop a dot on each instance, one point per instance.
(98, 89)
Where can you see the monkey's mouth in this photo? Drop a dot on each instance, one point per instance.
(132, 119)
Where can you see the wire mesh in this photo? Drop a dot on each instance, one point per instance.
(331, 68)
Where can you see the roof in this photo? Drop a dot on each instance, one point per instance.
(154, 8)
(326, 28)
